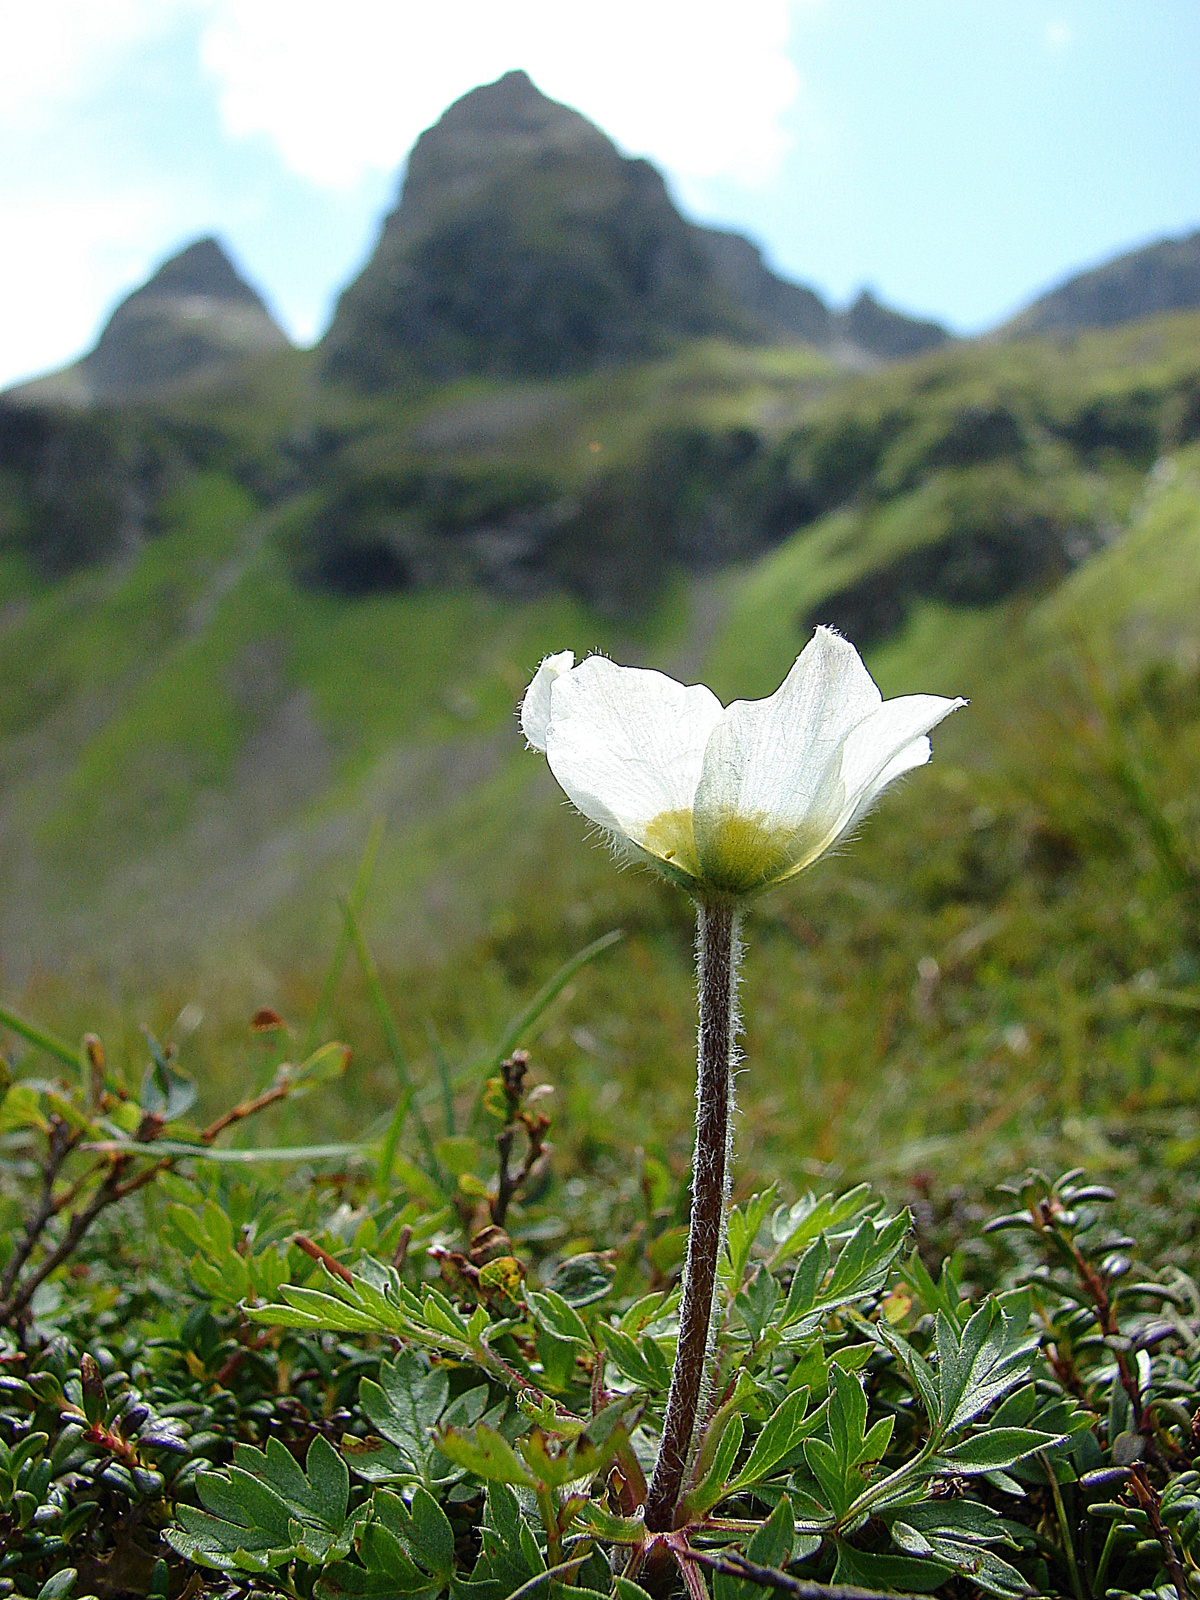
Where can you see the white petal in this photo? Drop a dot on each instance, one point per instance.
(875, 747)
(627, 746)
(771, 758)
(883, 748)
(535, 708)
(913, 755)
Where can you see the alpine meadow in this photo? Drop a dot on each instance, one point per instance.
(365, 1228)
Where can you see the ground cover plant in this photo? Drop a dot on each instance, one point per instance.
(452, 1271)
(425, 1363)
(388, 1377)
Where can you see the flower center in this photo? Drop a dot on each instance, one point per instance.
(671, 836)
(740, 854)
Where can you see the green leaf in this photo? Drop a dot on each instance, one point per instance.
(165, 1092)
(405, 1408)
(487, 1454)
(860, 1270)
(558, 1317)
(431, 1541)
(613, 1529)
(508, 1555)
(21, 1107)
(782, 1432)
(42, 1038)
(581, 1280)
(771, 1546)
(706, 1494)
(796, 1226)
(400, 1539)
(59, 1586)
(889, 1574)
(626, 1589)
(641, 1361)
(262, 1155)
(757, 1301)
(264, 1511)
(990, 1356)
(995, 1449)
(741, 1230)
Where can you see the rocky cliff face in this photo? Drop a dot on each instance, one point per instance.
(1144, 283)
(525, 243)
(195, 317)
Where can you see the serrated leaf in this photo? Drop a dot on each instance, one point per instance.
(487, 1454)
(641, 1361)
(265, 1510)
(558, 1317)
(795, 1226)
(405, 1408)
(995, 1449)
(782, 1432)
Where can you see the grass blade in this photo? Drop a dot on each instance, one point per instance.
(40, 1037)
(524, 1020)
(333, 972)
(391, 1033)
(203, 1152)
(387, 1155)
(443, 1067)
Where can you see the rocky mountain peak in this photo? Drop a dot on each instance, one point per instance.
(194, 316)
(201, 269)
(524, 242)
(495, 127)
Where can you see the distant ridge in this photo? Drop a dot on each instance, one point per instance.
(525, 243)
(1159, 278)
(194, 317)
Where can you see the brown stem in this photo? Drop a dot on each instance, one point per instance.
(14, 1301)
(1148, 1500)
(735, 1565)
(247, 1108)
(109, 1192)
(717, 952)
(62, 1142)
(331, 1264)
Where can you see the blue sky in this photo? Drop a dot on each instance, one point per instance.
(955, 155)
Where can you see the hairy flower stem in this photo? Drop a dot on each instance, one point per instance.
(718, 950)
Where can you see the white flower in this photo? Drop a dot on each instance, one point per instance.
(726, 800)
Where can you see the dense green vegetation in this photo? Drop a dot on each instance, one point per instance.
(198, 733)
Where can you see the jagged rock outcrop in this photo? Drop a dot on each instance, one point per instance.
(194, 318)
(525, 243)
(1142, 283)
(877, 330)
(787, 310)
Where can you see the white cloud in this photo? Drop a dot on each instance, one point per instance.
(701, 87)
(82, 253)
(56, 48)
(341, 91)
(1058, 35)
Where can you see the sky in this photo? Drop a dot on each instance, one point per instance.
(957, 156)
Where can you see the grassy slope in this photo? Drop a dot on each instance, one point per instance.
(194, 748)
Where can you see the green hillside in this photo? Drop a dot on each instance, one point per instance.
(324, 621)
